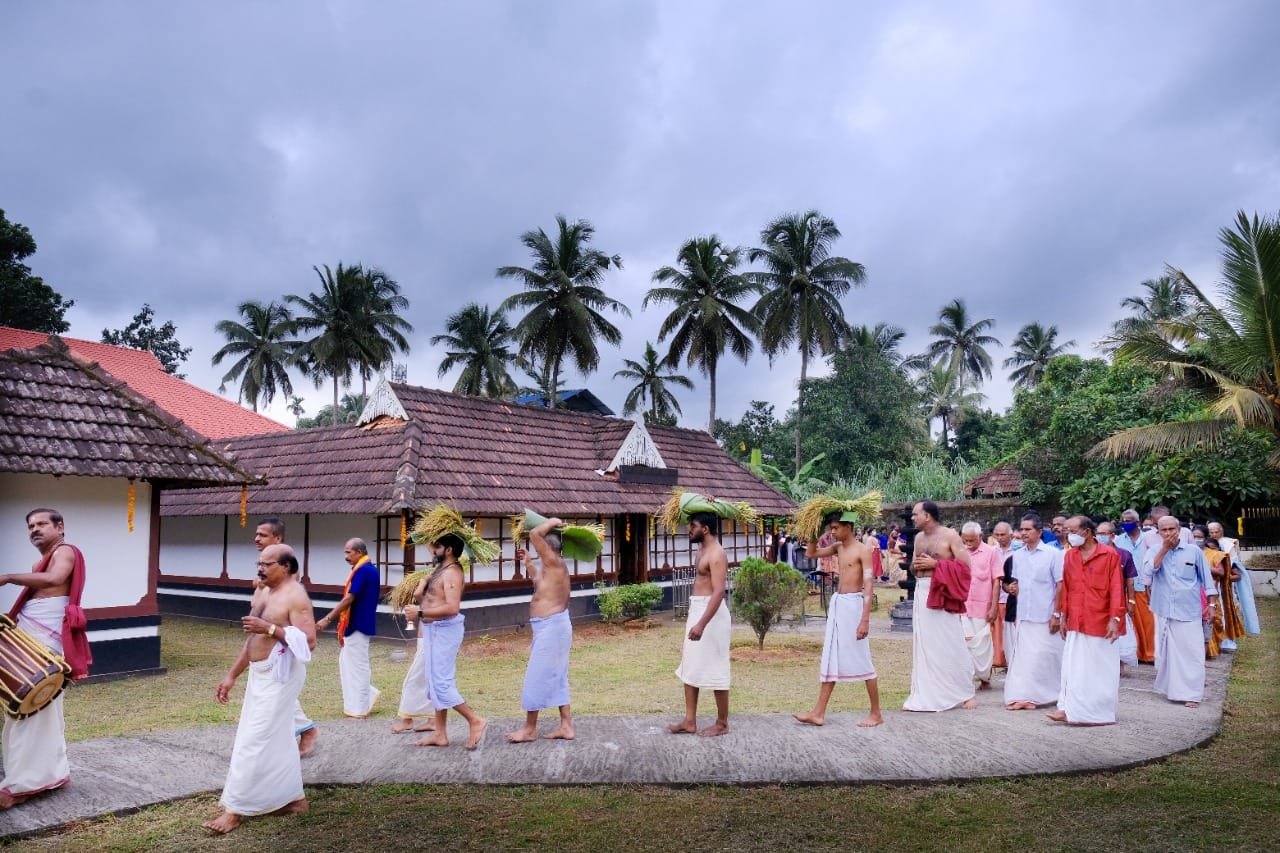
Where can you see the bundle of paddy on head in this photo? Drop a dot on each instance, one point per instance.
(682, 504)
(431, 526)
(581, 542)
(810, 518)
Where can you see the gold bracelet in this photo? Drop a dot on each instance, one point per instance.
(271, 632)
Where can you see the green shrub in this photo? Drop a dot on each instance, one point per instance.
(762, 591)
(632, 601)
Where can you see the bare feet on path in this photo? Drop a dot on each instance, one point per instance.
(223, 823)
(296, 807)
(684, 727)
(970, 703)
(402, 725)
(307, 741)
(8, 801)
(1193, 704)
(428, 726)
(441, 739)
(477, 731)
(565, 732)
(715, 730)
(524, 734)
(870, 721)
(1021, 706)
(811, 718)
(1057, 716)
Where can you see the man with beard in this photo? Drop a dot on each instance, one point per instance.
(704, 663)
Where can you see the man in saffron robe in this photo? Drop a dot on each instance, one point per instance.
(356, 615)
(35, 751)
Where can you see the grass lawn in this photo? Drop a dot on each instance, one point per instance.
(1224, 796)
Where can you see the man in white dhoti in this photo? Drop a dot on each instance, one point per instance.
(1091, 601)
(265, 776)
(941, 669)
(1178, 578)
(34, 749)
(357, 617)
(846, 651)
(1035, 673)
(986, 570)
(704, 662)
(443, 627)
(546, 679)
(414, 692)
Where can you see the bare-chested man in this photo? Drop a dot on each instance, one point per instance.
(941, 668)
(415, 693)
(270, 531)
(705, 661)
(266, 771)
(35, 749)
(846, 651)
(546, 680)
(442, 632)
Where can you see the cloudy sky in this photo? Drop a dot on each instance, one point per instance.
(1037, 160)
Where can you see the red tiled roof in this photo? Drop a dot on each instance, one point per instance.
(206, 413)
(62, 414)
(486, 457)
(1004, 479)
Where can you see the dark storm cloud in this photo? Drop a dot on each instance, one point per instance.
(1037, 162)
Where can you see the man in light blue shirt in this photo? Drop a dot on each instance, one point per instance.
(1179, 582)
(1144, 623)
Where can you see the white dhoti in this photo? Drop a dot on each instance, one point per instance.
(1090, 687)
(704, 663)
(266, 772)
(441, 641)
(844, 656)
(982, 649)
(414, 701)
(358, 692)
(1009, 636)
(1128, 643)
(35, 749)
(1035, 676)
(546, 679)
(1179, 659)
(941, 669)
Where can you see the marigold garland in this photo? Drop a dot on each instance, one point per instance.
(132, 499)
(244, 505)
(404, 531)
(628, 534)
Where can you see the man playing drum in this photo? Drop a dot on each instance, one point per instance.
(35, 751)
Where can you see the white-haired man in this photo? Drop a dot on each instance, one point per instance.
(986, 570)
(1179, 580)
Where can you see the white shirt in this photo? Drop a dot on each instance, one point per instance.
(1038, 572)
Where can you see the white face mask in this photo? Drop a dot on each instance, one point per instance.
(1075, 540)
(1104, 538)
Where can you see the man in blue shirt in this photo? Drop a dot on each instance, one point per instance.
(357, 615)
(1179, 582)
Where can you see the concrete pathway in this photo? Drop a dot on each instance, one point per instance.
(123, 773)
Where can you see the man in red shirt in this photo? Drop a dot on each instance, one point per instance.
(1090, 614)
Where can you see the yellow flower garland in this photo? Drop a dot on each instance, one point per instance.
(244, 505)
(132, 499)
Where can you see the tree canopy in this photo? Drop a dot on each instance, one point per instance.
(161, 341)
(26, 302)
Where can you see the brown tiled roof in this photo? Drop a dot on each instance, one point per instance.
(60, 414)
(1004, 479)
(486, 457)
(206, 413)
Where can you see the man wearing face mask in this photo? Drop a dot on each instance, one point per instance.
(1178, 578)
(1132, 539)
(1035, 671)
(1128, 643)
(1090, 610)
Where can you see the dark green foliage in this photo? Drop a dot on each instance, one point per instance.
(348, 411)
(758, 429)
(26, 302)
(142, 333)
(763, 591)
(630, 601)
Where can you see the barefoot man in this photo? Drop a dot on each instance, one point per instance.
(266, 771)
(846, 651)
(35, 749)
(705, 661)
(546, 680)
(270, 531)
(442, 632)
(941, 668)
(415, 693)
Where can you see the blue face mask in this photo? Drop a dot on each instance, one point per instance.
(1129, 526)
(1104, 538)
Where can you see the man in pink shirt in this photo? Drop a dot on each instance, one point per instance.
(986, 571)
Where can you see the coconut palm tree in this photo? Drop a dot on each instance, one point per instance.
(961, 345)
(1163, 308)
(354, 316)
(651, 385)
(706, 320)
(801, 284)
(1234, 349)
(946, 396)
(1033, 349)
(480, 342)
(264, 348)
(563, 297)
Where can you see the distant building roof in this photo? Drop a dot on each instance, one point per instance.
(484, 456)
(1004, 479)
(62, 414)
(575, 400)
(206, 413)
